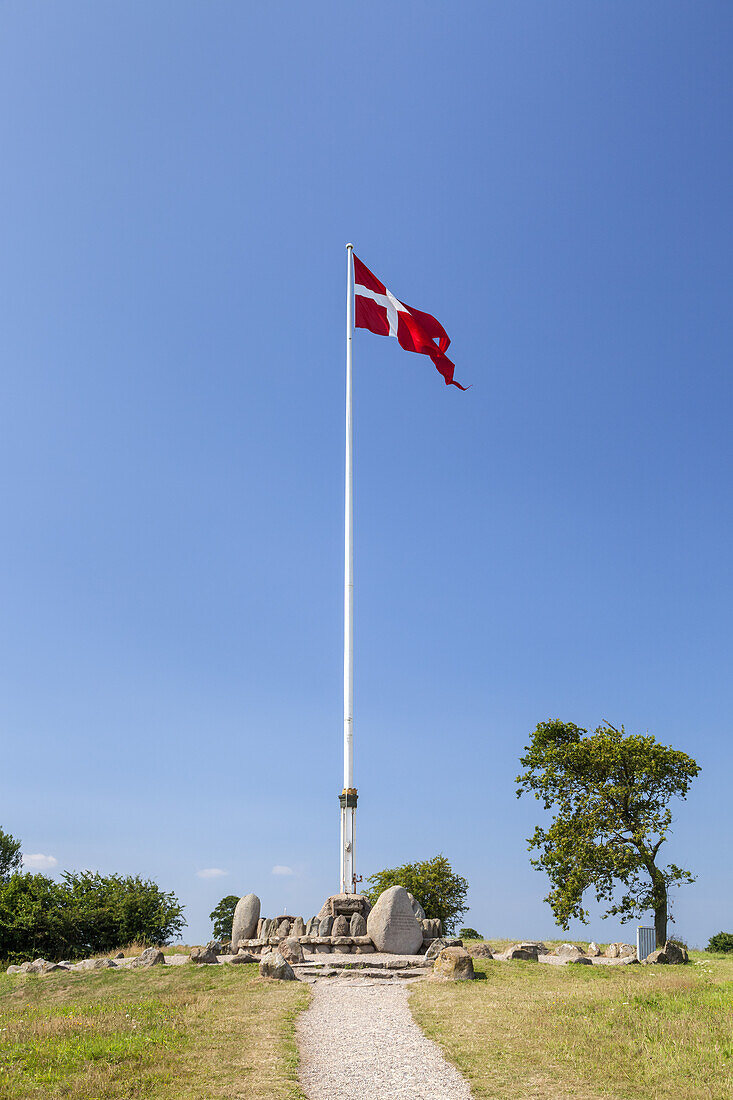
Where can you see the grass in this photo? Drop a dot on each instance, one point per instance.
(531, 1030)
(164, 1034)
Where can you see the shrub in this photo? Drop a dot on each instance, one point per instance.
(223, 917)
(85, 913)
(469, 934)
(112, 910)
(433, 883)
(34, 919)
(722, 941)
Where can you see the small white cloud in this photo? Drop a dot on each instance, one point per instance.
(36, 861)
(211, 872)
(278, 869)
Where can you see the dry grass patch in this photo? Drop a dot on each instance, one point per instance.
(164, 1034)
(531, 1030)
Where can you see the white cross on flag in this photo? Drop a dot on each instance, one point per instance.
(377, 309)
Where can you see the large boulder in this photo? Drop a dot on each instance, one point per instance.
(593, 950)
(435, 948)
(246, 918)
(151, 956)
(273, 965)
(243, 957)
(673, 954)
(478, 951)
(611, 951)
(283, 928)
(101, 964)
(324, 927)
(298, 928)
(209, 954)
(454, 963)
(291, 950)
(518, 951)
(392, 926)
(570, 953)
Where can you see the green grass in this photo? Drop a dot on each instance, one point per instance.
(165, 1033)
(531, 1030)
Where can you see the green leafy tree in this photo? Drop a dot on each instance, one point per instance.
(85, 913)
(433, 883)
(223, 917)
(469, 934)
(35, 919)
(10, 857)
(609, 794)
(112, 910)
(722, 942)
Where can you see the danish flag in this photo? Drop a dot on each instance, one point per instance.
(378, 310)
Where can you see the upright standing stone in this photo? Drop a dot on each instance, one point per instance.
(246, 916)
(283, 929)
(340, 927)
(298, 927)
(324, 928)
(392, 925)
(357, 925)
(260, 922)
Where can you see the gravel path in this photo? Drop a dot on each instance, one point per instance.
(358, 1040)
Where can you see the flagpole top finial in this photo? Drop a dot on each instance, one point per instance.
(350, 246)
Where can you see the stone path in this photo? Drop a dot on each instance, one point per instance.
(358, 1040)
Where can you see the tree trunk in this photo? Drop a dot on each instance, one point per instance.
(660, 919)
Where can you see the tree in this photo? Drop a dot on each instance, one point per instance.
(721, 941)
(114, 910)
(223, 917)
(83, 914)
(441, 893)
(10, 857)
(34, 919)
(609, 793)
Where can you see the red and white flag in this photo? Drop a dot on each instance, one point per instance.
(379, 311)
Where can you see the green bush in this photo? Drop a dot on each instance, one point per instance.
(469, 934)
(223, 917)
(86, 913)
(433, 883)
(722, 942)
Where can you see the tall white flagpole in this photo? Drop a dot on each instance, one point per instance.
(348, 796)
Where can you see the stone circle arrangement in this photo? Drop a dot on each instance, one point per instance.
(395, 935)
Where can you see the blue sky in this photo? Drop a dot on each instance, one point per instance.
(179, 180)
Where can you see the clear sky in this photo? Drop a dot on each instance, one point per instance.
(179, 179)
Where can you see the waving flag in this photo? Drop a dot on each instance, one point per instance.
(378, 310)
